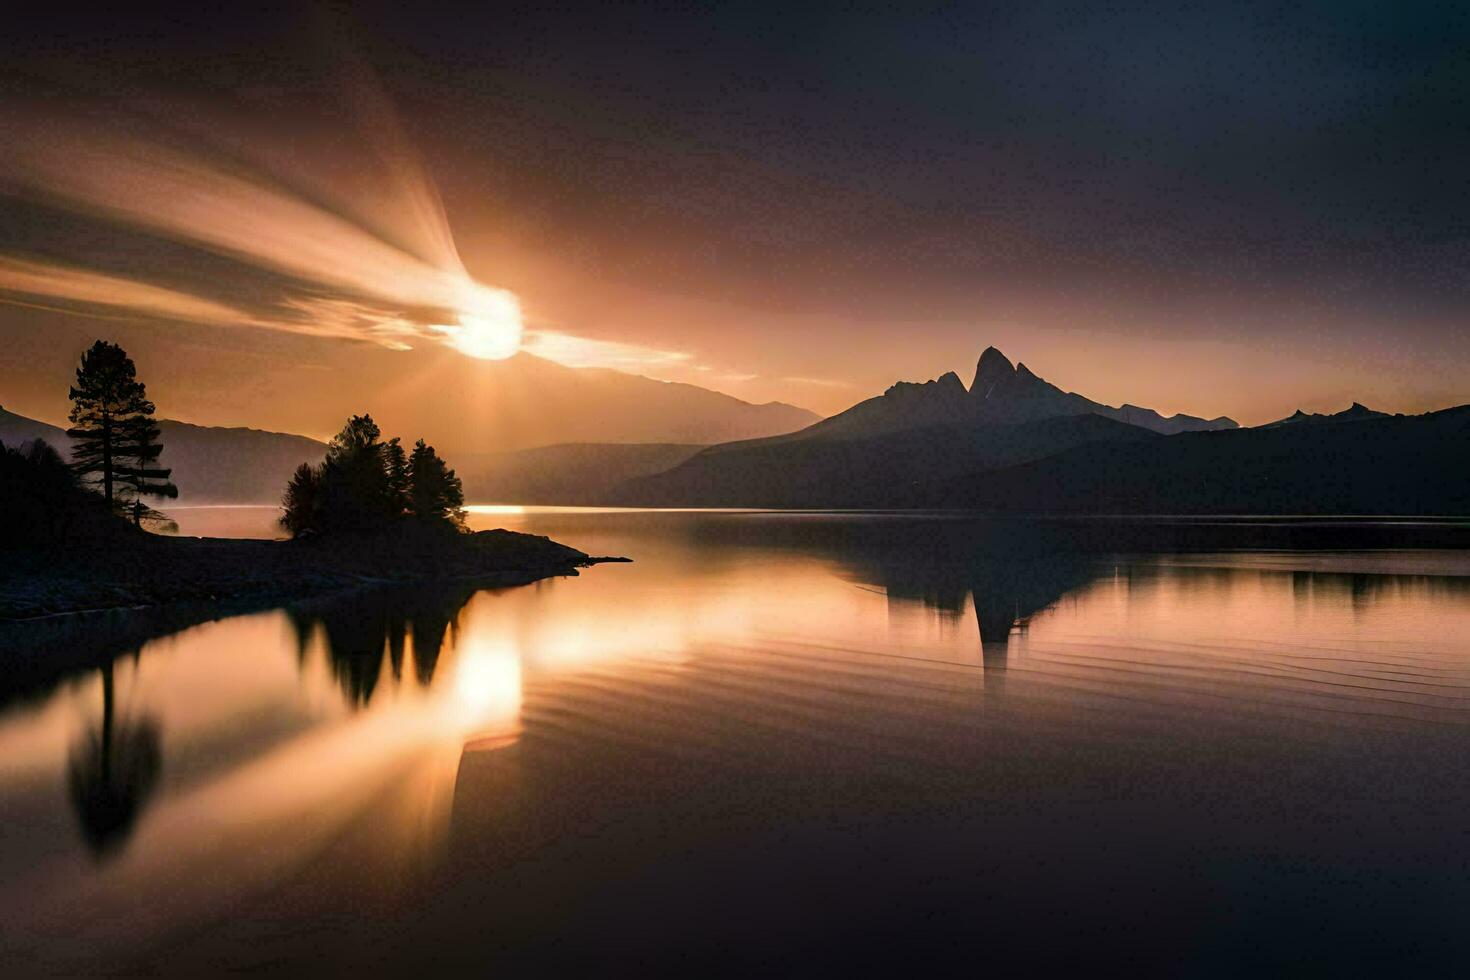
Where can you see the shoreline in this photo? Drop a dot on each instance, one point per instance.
(67, 611)
(131, 572)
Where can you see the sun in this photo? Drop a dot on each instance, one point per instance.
(489, 325)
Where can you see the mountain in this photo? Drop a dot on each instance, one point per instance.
(1356, 413)
(216, 465)
(211, 465)
(863, 472)
(458, 404)
(461, 405)
(576, 473)
(1375, 465)
(525, 401)
(1001, 393)
(1005, 393)
(912, 435)
(17, 429)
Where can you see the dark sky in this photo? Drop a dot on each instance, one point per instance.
(1216, 208)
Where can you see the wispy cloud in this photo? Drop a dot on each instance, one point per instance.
(318, 317)
(392, 277)
(582, 352)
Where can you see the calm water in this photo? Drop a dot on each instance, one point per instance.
(777, 744)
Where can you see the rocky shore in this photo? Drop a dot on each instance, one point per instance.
(150, 570)
(72, 608)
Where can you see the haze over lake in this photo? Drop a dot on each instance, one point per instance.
(772, 734)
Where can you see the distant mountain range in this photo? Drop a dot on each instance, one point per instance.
(1001, 394)
(876, 471)
(1354, 414)
(467, 406)
(1364, 464)
(211, 465)
(1012, 442)
(882, 450)
(573, 473)
(223, 465)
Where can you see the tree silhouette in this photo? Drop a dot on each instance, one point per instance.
(436, 495)
(355, 494)
(139, 450)
(114, 438)
(301, 502)
(43, 501)
(106, 398)
(367, 485)
(111, 773)
(395, 465)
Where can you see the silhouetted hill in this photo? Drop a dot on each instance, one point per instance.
(578, 473)
(211, 464)
(215, 465)
(871, 472)
(1403, 465)
(17, 429)
(462, 405)
(43, 506)
(1356, 413)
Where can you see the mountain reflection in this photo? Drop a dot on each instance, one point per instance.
(365, 631)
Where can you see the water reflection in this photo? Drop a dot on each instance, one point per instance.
(754, 665)
(112, 769)
(356, 630)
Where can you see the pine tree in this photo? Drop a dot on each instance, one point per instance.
(106, 400)
(355, 493)
(435, 492)
(301, 503)
(395, 467)
(365, 485)
(136, 465)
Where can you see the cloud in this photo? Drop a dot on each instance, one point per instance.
(319, 317)
(323, 272)
(296, 263)
(582, 352)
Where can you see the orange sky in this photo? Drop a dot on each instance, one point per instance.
(748, 236)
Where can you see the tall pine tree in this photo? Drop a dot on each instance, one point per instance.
(139, 472)
(110, 409)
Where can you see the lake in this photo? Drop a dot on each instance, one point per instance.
(779, 744)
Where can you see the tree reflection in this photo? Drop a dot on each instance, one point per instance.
(364, 629)
(112, 770)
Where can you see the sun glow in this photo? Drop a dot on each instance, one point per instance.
(489, 324)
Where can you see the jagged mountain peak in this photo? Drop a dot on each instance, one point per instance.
(992, 369)
(1002, 394)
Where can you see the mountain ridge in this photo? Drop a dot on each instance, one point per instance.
(211, 464)
(1356, 412)
(878, 449)
(1378, 465)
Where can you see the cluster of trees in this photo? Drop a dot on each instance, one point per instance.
(115, 443)
(42, 500)
(366, 484)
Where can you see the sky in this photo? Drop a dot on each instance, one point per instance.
(1231, 209)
